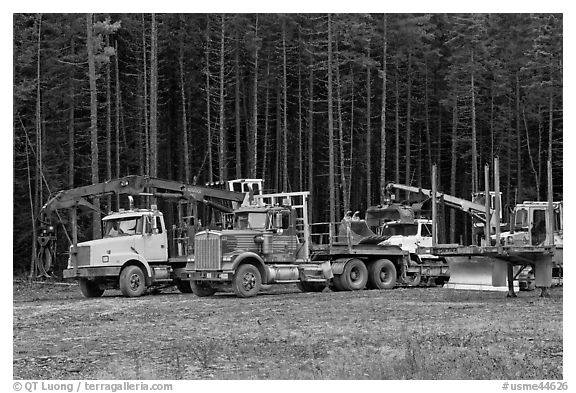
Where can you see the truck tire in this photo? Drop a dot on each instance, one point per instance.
(132, 281)
(305, 286)
(202, 289)
(382, 274)
(336, 284)
(247, 281)
(354, 276)
(184, 286)
(413, 279)
(90, 288)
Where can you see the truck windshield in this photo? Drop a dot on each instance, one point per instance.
(400, 230)
(123, 227)
(250, 220)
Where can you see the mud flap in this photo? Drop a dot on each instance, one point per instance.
(478, 273)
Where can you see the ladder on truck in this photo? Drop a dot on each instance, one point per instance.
(297, 201)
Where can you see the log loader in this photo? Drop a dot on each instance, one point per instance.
(139, 249)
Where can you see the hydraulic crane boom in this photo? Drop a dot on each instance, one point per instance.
(476, 210)
(134, 185)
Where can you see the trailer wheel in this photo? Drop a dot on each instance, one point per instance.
(305, 286)
(202, 289)
(247, 281)
(90, 288)
(354, 276)
(184, 286)
(382, 274)
(132, 281)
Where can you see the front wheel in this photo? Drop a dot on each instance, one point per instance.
(90, 288)
(132, 281)
(202, 289)
(247, 281)
(306, 286)
(382, 274)
(184, 286)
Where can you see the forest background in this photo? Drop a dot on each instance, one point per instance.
(337, 104)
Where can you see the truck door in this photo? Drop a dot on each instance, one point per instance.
(153, 243)
(285, 240)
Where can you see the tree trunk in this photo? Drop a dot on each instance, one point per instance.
(331, 126)
(39, 142)
(108, 126)
(266, 122)
(532, 165)
(474, 149)
(408, 121)
(96, 228)
(351, 156)
(342, 169)
(300, 146)
(186, 154)
(146, 119)
(310, 161)
(71, 121)
(383, 116)
(118, 117)
(285, 111)
(208, 115)
(222, 136)
(453, 167)
(518, 142)
(278, 160)
(254, 143)
(491, 123)
(251, 147)
(427, 120)
(154, 100)
(509, 156)
(368, 135)
(397, 137)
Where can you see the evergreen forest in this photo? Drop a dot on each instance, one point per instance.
(336, 104)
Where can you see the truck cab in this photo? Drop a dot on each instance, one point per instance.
(408, 235)
(135, 239)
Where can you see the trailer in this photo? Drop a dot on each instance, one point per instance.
(271, 241)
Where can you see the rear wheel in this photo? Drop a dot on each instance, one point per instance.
(202, 289)
(305, 286)
(382, 274)
(132, 281)
(90, 288)
(354, 276)
(247, 281)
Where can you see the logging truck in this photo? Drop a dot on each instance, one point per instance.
(271, 241)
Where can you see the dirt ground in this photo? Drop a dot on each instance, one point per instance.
(405, 333)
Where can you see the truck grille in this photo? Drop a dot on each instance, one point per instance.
(208, 251)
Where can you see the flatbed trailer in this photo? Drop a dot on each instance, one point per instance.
(499, 260)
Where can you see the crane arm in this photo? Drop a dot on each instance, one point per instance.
(134, 185)
(476, 210)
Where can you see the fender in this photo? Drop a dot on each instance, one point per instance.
(338, 265)
(124, 258)
(251, 255)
